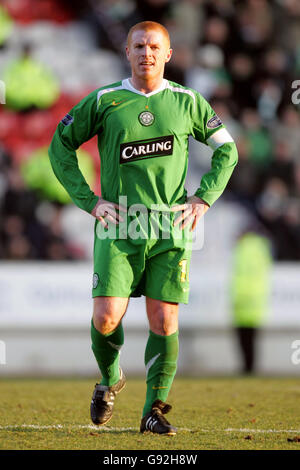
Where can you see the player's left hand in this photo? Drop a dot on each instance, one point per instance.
(192, 211)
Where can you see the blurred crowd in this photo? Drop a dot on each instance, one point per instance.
(243, 56)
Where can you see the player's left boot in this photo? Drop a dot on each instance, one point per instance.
(103, 400)
(155, 422)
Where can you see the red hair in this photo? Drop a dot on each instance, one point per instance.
(148, 26)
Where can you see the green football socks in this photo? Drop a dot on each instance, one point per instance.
(161, 362)
(106, 349)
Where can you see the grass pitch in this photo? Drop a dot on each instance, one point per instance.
(210, 413)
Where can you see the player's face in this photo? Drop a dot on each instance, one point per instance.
(147, 52)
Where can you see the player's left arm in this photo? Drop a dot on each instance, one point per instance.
(209, 129)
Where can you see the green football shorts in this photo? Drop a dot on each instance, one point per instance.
(142, 256)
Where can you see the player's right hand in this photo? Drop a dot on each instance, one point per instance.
(106, 211)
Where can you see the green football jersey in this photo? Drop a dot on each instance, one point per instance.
(143, 145)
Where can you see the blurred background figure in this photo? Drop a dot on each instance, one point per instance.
(240, 55)
(250, 292)
(5, 26)
(29, 84)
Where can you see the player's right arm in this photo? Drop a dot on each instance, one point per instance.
(78, 126)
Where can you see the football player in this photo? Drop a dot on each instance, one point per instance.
(143, 124)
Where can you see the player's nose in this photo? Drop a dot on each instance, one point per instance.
(147, 51)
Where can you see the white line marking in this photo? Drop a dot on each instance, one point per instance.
(262, 430)
(39, 427)
(64, 426)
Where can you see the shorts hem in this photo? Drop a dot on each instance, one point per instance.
(164, 298)
(110, 294)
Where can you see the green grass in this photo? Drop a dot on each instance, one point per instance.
(203, 410)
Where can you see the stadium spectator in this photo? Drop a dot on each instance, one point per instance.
(250, 292)
(248, 54)
(254, 24)
(6, 24)
(24, 233)
(286, 129)
(39, 88)
(207, 72)
(257, 135)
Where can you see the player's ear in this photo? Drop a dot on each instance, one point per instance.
(127, 52)
(169, 55)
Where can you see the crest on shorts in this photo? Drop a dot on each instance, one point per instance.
(95, 280)
(146, 118)
(214, 122)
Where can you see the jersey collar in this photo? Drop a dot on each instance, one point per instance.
(126, 83)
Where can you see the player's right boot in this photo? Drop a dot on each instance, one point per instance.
(155, 422)
(103, 400)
